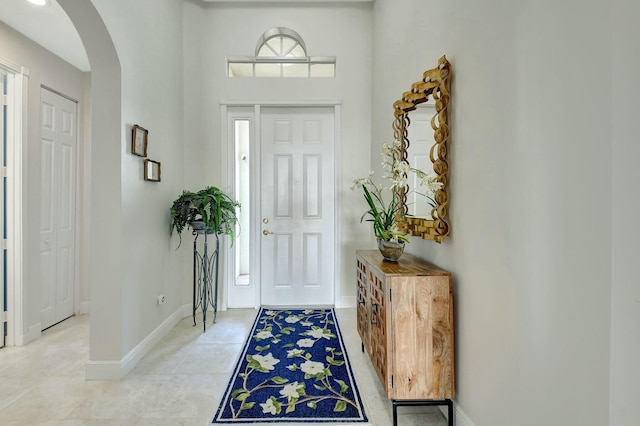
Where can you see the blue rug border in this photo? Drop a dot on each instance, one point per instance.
(227, 391)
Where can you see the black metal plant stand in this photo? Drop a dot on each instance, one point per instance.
(205, 293)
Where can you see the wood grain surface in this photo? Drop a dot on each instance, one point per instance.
(406, 325)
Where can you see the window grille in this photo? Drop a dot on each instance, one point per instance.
(281, 52)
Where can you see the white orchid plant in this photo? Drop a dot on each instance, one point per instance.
(384, 216)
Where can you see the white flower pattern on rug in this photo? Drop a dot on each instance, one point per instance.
(266, 362)
(305, 343)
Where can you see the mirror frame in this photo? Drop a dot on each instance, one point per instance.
(435, 83)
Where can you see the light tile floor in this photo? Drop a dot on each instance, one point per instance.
(179, 382)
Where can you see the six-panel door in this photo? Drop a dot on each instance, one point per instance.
(298, 206)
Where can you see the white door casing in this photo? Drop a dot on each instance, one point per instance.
(58, 146)
(297, 206)
(3, 141)
(15, 128)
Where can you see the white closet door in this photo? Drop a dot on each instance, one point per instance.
(57, 207)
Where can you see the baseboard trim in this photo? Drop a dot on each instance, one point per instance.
(346, 302)
(187, 310)
(103, 370)
(33, 333)
(85, 308)
(461, 418)
(116, 370)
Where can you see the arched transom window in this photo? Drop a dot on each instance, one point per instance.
(281, 52)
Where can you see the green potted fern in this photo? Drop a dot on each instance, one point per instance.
(208, 211)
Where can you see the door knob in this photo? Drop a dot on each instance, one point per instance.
(266, 232)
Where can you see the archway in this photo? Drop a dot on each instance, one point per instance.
(104, 200)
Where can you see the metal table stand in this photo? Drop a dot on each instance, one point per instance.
(432, 402)
(205, 294)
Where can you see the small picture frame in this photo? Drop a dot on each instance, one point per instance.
(139, 141)
(152, 171)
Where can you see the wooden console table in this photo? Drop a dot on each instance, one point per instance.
(405, 321)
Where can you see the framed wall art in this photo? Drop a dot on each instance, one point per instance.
(139, 141)
(152, 171)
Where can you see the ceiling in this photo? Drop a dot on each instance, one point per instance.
(49, 26)
(287, 1)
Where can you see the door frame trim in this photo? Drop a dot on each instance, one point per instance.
(229, 256)
(16, 138)
(228, 177)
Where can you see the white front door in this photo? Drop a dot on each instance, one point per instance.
(297, 206)
(57, 207)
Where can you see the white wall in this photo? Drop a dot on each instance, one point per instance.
(147, 36)
(530, 243)
(217, 31)
(136, 62)
(51, 71)
(625, 294)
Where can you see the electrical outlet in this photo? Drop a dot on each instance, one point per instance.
(161, 299)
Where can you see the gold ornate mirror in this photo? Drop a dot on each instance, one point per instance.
(430, 224)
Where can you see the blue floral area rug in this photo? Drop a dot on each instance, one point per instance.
(293, 369)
